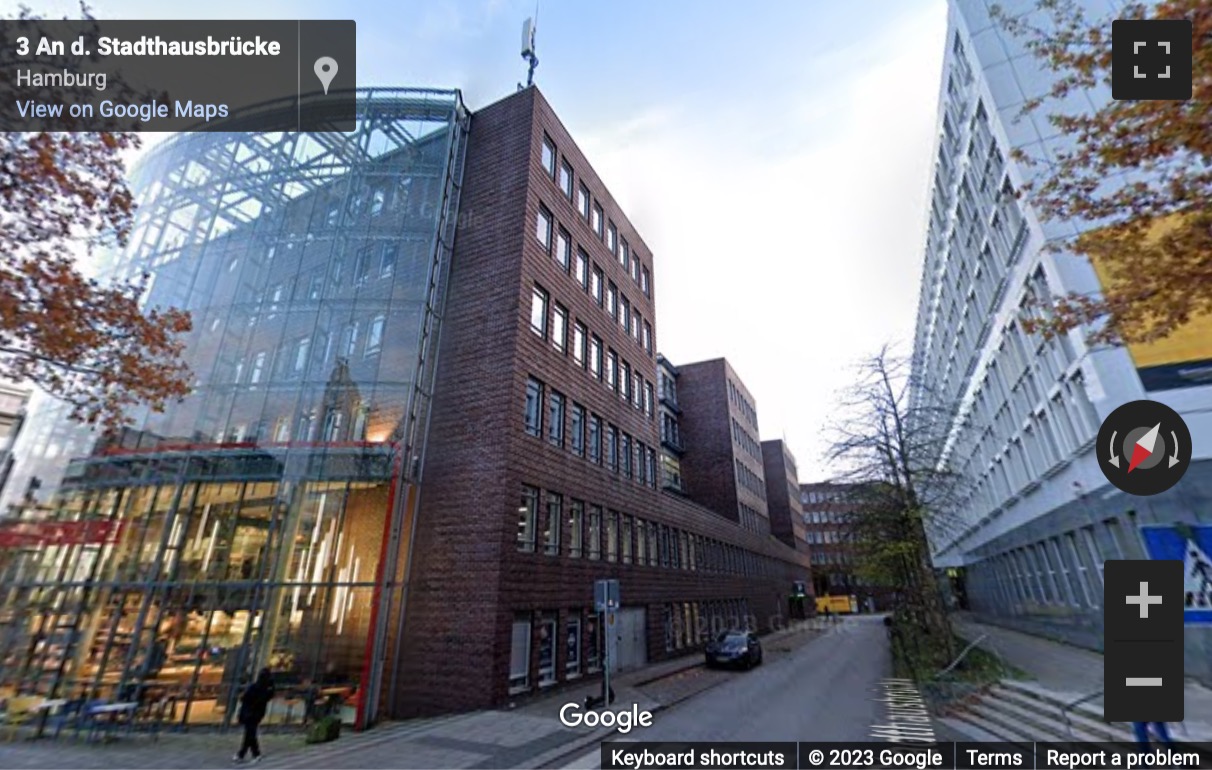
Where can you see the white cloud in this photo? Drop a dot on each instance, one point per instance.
(790, 256)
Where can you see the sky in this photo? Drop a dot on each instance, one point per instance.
(774, 156)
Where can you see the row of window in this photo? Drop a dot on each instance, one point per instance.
(586, 434)
(750, 480)
(832, 558)
(825, 517)
(738, 400)
(588, 353)
(575, 651)
(592, 280)
(581, 530)
(690, 624)
(308, 426)
(591, 212)
(745, 441)
(830, 537)
(751, 520)
(294, 358)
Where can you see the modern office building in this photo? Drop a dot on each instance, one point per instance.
(1037, 518)
(783, 494)
(424, 423)
(722, 462)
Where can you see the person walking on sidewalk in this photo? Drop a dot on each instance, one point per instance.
(253, 705)
(1142, 734)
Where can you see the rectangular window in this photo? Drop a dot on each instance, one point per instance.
(534, 407)
(595, 439)
(555, 517)
(581, 269)
(387, 259)
(595, 357)
(579, 341)
(612, 238)
(596, 219)
(538, 312)
(595, 532)
(625, 381)
(595, 285)
(612, 370)
(576, 429)
(624, 253)
(648, 398)
(635, 270)
(362, 266)
(612, 536)
(624, 313)
(625, 454)
(555, 418)
(637, 391)
(566, 179)
(559, 329)
(543, 229)
(374, 335)
(612, 300)
(527, 515)
(563, 249)
(547, 650)
(576, 528)
(301, 349)
(548, 157)
(519, 655)
(572, 655)
(652, 475)
(583, 201)
(593, 643)
(626, 536)
(645, 282)
(612, 448)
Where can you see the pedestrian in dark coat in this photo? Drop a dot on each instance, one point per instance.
(254, 702)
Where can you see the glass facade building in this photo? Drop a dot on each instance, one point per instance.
(264, 520)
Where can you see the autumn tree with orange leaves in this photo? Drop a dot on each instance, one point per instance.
(62, 196)
(1152, 237)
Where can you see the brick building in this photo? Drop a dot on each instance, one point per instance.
(829, 510)
(783, 495)
(541, 473)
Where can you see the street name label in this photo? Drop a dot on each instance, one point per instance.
(102, 75)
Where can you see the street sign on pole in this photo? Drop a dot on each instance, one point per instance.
(606, 601)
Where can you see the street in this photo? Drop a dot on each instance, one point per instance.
(823, 691)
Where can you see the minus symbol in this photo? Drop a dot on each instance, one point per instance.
(1144, 681)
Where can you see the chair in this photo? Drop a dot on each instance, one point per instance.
(21, 709)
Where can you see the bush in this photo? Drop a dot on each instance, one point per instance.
(324, 729)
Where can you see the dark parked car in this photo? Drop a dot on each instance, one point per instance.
(735, 648)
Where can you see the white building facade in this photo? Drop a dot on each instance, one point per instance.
(1036, 518)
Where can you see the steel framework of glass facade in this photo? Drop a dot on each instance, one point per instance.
(263, 521)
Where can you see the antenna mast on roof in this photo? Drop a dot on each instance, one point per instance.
(528, 30)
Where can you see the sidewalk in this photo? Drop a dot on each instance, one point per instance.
(1072, 673)
(527, 736)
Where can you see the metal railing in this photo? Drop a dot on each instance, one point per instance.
(1071, 705)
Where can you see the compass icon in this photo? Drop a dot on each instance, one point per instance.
(1144, 447)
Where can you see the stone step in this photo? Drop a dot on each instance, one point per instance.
(1053, 711)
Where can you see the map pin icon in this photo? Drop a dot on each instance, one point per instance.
(326, 70)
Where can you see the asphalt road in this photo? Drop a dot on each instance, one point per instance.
(824, 691)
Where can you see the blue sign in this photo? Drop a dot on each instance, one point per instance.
(1192, 545)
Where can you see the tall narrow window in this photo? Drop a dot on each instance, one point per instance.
(596, 220)
(647, 337)
(595, 532)
(519, 654)
(625, 381)
(645, 282)
(612, 300)
(612, 370)
(612, 536)
(595, 285)
(538, 312)
(576, 528)
(576, 429)
(566, 179)
(624, 253)
(374, 335)
(555, 418)
(527, 514)
(625, 537)
(559, 329)
(624, 312)
(595, 357)
(534, 407)
(625, 454)
(548, 157)
(572, 656)
(583, 201)
(612, 238)
(612, 448)
(595, 439)
(581, 269)
(543, 229)
(579, 341)
(555, 519)
(563, 250)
